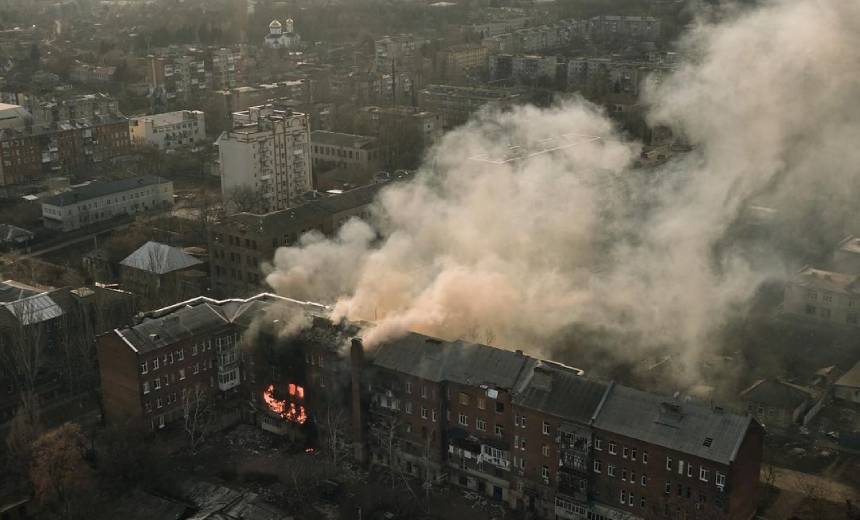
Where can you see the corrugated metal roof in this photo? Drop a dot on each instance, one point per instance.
(456, 361)
(158, 258)
(683, 426)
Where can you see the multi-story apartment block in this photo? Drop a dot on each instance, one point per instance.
(380, 120)
(156, 370)
(267, 153)
(86, 73)
(395, 51)
(541, 437)
(537, 39)
(457, 104)
(101, 201)
(179, 77)
(169, 130)
(826, 297)
(644, 28)
(29, 154)
(227, 66)
(48, 111)
(522, 69)
(336, 149)
(460, 62)
(239, 244)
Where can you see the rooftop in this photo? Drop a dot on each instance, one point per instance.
(850, 244)
(828, 280)
(158, 258)
(561, 392)
(100, 189)
(776, 393)
(11, 291)
(851, 378)
(685, 426)
(171, 118)
(341, 139)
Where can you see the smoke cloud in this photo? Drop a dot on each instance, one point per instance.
(516, 254)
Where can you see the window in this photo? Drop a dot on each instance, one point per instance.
(481, 424)
(159, 403)
(180, 354)
(669, 463)
(703, 474)
(610, 470)
(194, 349)
(407, 407)
(680, 467)
(632, 453)
(408, 387)
(146, 387)
(643, 479)
(625, 452)
(810, 309)
(598, 444)
(630, 499)
(689, 470)
(545, 428)
(612, 447)
(434, 415)
(424, 391)
(827, 297)
(181, 374)
(500, 430)
(155, 363)
(623, 474)
(642, 502)
(464, 399)
(544, 473)
(523, 444)
(500, 408)
(196, 368)
(623, 496)
(482, 403)
(644, 456)
(544, 449)
(156, 383)
(597, 466)
(464, 420)
(668, 488)
(720, 480)
(144, 367)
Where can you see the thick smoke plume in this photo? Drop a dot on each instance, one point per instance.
(516, 254)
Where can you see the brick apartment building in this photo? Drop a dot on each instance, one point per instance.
(239, 244)
(533, 434)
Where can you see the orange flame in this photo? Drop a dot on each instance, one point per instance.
(288, 411)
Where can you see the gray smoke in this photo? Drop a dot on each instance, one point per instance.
(515, 254)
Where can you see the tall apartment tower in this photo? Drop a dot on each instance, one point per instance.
(265, 160)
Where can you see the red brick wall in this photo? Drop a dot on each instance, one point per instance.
(118, 364)
(743, 484)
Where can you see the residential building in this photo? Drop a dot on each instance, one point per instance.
(847, 387)
(158, 274)
(655, 456)
(14, 236)
(846, 257)
(178, 77)
(380, 121)
(823, 297)
(86, 73)
(55, 110)
(29, 154)
(525, 69)
(267, 153)
(100, 201)
(644, 28)
(457, 104)
(392, 52)
(169, 130)
(13, 116)
(779, 404)
(462, 62)
(240, 243)
(538, 39)
(227, 66)
(188, 355)
(336, 149)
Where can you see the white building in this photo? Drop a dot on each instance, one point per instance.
(824, 296)
(169, 130)
(267, 154)
(100, 201)
(13, 116)
(282, 36)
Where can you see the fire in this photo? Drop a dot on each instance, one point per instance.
(288, 411)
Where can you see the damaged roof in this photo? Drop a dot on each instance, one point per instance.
(776, 393)
(561, 392)
(685, 426)
(456, 361)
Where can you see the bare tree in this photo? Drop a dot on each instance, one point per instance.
(60, 476)
(199, 416)
(244, 199)
(384, 432)
(23, 345)
(334, 426)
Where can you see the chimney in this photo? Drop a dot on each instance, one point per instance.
(356, 366)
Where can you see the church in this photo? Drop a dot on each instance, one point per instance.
(281, 36)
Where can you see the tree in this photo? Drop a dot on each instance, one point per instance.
(125, 458)
(61, 477)
(199, 415)
(23, 345)
(244, 199)
(334, 425)
(19, 440)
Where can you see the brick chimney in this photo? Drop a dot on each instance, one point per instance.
(357, 364)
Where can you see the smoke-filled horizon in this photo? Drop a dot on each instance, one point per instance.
(516, 254)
